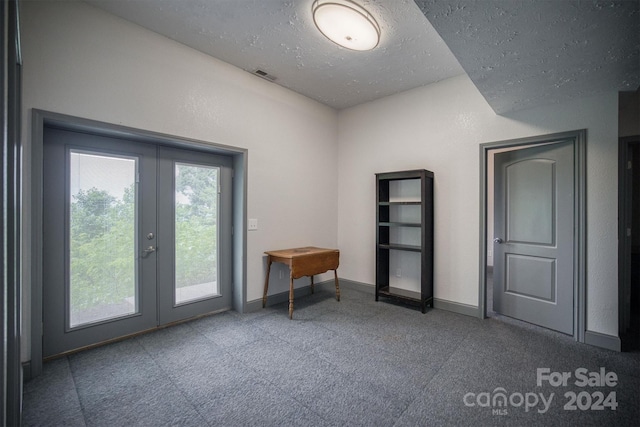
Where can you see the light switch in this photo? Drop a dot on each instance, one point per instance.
(253, 224)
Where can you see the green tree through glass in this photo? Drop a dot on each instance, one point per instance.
(196, 222)
(102, 246)
(102, 239)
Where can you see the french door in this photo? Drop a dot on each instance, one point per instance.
(135, 236)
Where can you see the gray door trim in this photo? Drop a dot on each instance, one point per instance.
(42, 118)
(579, 138)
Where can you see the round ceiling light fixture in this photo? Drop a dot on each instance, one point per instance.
(346, 24)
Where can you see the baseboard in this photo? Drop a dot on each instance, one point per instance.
(456, 307)
(256, 305)
(352, 284)
(610, 342)
(441, 304)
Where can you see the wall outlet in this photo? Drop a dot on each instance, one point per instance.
(398, 272)
(253, 224)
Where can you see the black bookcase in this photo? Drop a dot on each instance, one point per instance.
(393, 223)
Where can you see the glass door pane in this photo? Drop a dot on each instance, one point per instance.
(102, 237)
(196, 233)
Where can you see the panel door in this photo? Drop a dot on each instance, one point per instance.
(534, 236)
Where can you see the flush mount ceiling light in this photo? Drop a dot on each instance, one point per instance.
(346, 23)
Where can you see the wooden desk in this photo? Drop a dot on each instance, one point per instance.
(302, 262)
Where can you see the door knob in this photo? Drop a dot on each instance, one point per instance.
(498, 240)
(147, 251)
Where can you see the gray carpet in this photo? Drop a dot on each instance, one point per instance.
(353, 362)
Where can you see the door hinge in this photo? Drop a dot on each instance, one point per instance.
(629, 164)
(137, 177)
(628, 232)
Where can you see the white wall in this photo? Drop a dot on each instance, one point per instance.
(439, 127)
(83, 62)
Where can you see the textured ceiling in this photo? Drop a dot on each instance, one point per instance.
(522, 54)
(279, 37)
(519, 53)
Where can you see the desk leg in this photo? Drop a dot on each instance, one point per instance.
(266, 283)
(312, 286)
(291, 296)
(335, 273)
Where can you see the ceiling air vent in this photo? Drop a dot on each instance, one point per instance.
(265, 75)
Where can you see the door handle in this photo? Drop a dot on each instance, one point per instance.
(147, 251)
(498, 240)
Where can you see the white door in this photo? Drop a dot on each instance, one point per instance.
(534, 236)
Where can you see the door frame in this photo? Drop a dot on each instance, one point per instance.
(41, 119)
(579, 139)
(11, 181)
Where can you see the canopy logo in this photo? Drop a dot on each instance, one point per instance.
(602, 398)
(499, 401)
